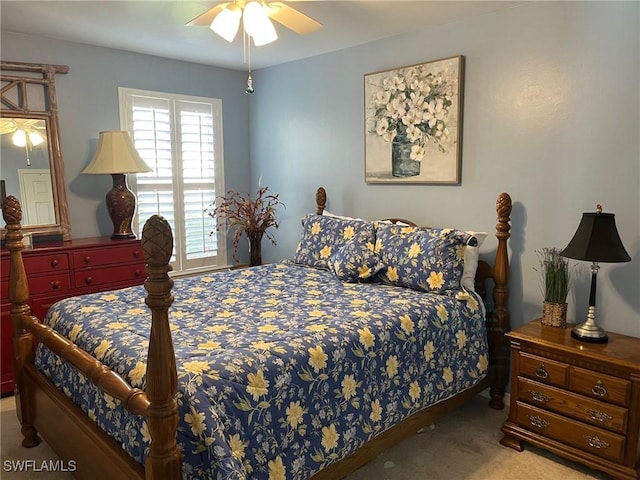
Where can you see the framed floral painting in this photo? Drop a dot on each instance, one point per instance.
(413, 123)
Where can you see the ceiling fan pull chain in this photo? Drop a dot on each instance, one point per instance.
(249, 88)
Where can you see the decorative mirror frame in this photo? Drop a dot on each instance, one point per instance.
(14, 78)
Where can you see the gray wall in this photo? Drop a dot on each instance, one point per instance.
(550, 115)
(88, 103)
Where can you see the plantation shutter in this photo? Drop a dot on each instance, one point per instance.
(180, 138)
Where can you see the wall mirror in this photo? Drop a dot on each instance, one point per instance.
(32, 162)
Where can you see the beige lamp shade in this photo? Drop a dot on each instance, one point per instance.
(116, 154)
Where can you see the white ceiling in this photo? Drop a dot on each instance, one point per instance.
(157, 27)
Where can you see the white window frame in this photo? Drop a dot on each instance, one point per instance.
(180, 264)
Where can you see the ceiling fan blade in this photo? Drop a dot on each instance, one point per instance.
(205, 19)
(7, 126)
(292, 18)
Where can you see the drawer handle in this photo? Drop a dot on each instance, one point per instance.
(136, 273)
(595, 442)
(539, 396)
(55, 284)
(54, 263)
(88, 280)
(599, 389)
(87, 259)
(536, 421)
(599, 416)
(136, 253)
(541, 372)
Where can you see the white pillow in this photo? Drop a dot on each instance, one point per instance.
(471, 257)
(342, 217)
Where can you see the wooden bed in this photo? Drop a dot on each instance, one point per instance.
(43, 410)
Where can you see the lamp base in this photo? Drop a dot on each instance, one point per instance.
(121, 205)
(590, 333)
(122, 236)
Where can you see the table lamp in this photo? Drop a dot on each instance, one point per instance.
(117, 156)
(596, 240)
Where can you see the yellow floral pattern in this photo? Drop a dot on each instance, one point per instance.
(283, 369)
(429, 259)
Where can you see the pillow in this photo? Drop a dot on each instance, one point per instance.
(431, 259)
(355, 261)
(471, 257)
(322, 237)
(329, 214)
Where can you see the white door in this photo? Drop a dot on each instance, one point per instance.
(36, 197)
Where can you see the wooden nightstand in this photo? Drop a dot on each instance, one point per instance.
(578, 400)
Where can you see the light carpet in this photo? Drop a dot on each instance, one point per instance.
(464, 445)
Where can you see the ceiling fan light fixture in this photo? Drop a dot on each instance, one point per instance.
(227, 22)
(257, 23)
(35, 138)
(19, 138)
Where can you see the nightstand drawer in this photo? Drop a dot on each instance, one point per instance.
(544, 370)
(589, 439)
(600, 386)
(133, 274)
(581, 408)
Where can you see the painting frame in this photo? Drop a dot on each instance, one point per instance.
(413, 123)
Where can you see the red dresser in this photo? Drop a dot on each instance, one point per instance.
(65, 269)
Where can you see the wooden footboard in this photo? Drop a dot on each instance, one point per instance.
(41, 408)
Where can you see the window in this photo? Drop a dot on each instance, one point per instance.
(180, 137)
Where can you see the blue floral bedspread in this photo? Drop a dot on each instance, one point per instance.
(283, 369)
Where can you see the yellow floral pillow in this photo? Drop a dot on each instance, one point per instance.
(355, 261)
(323, 236)
(423, 259)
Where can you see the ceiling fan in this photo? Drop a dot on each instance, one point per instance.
(27, 133)
(224, 19)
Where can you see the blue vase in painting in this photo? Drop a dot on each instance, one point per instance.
(401, 163)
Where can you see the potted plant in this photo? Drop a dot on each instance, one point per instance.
(555, 280)
(250, 216)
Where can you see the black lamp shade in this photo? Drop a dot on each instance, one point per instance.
(597, 240)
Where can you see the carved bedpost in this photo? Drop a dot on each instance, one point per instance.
(22, 340)
(164, 459)
(321, 200)
(500, 322)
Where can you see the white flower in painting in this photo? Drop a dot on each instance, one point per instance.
(417, 153)
(382, 97)
(414, 134)
(417, 101)
(382, 126)
(412, 117)
(396, 108)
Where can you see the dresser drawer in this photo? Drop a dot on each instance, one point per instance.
(600, 386)
(130, 274)
(97, 257)
(35, 264)
(44, 284)
(544, 370)
(590, 439)
(579, 407)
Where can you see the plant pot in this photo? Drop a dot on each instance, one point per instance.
(554, 314)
